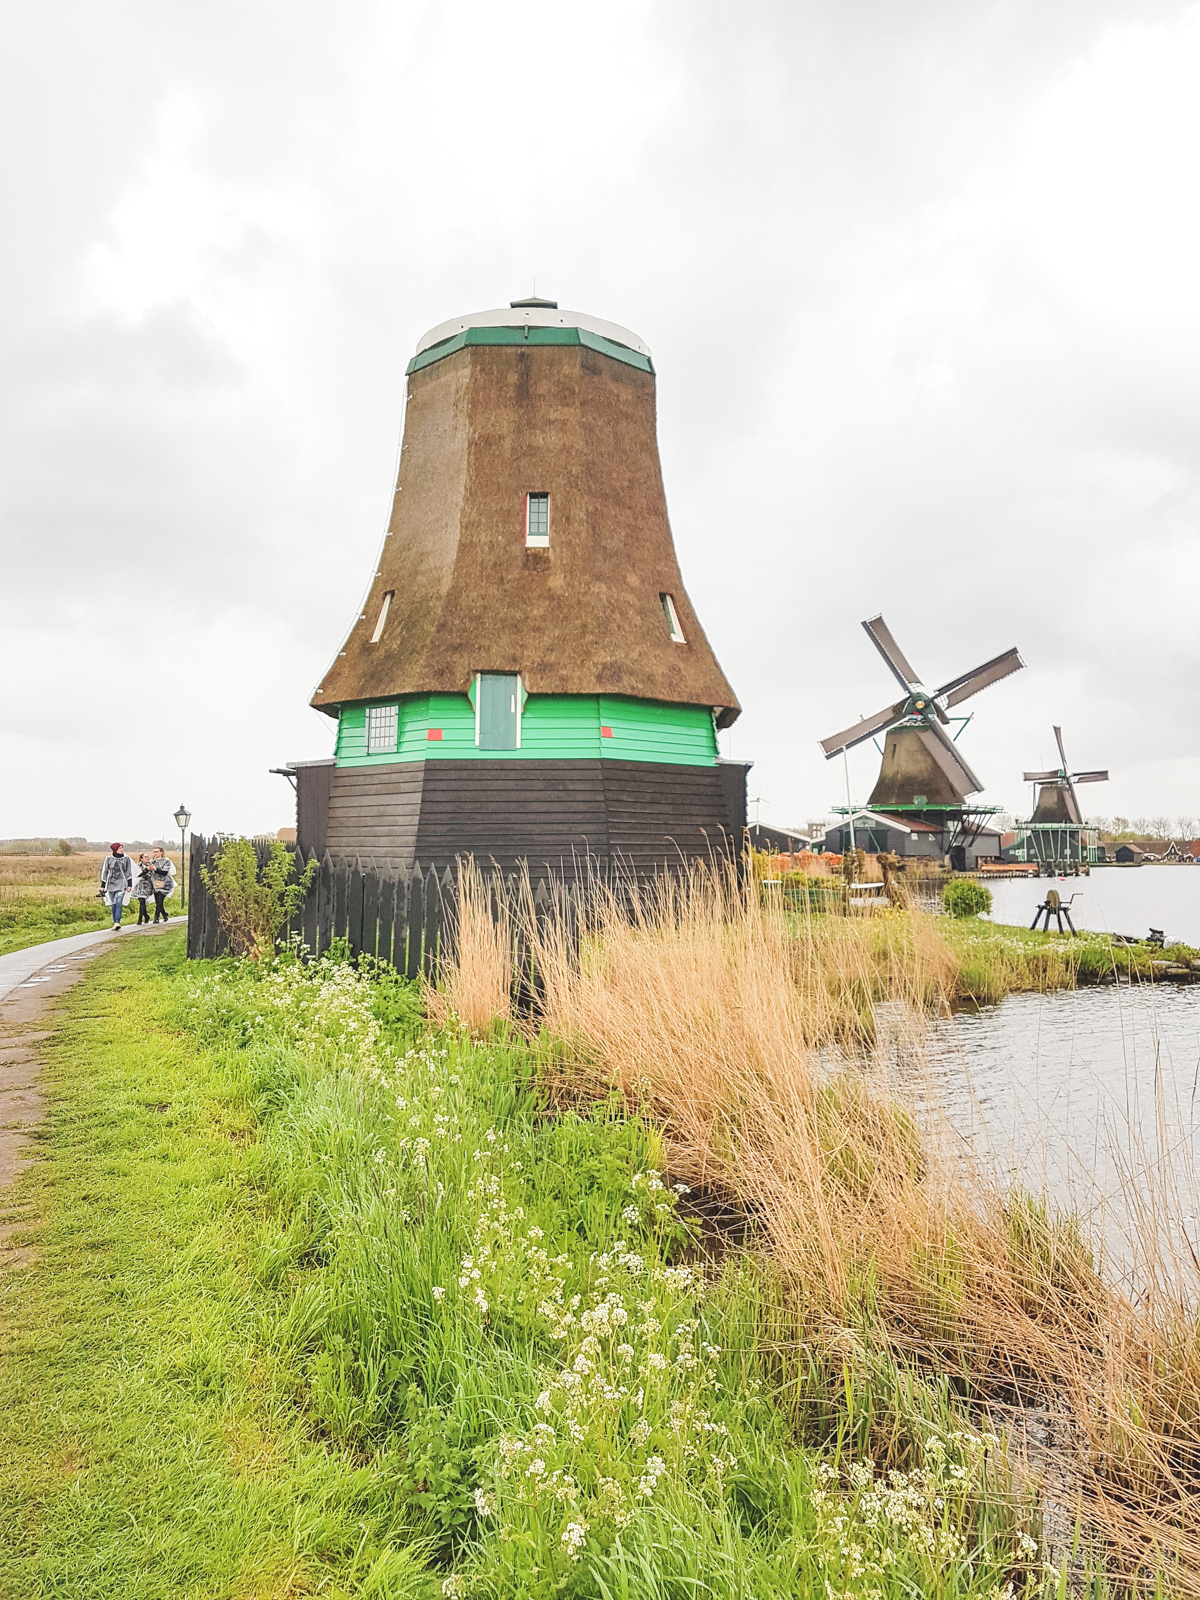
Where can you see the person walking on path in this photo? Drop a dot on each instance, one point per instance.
(116, 880)
(162, 881)
(143, 888)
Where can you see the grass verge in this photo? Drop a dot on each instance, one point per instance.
(52, 897)
(326, 1303)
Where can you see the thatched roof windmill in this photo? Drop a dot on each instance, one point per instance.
(1056, 797)
(527, 679)
(1056, 836)
(922, 765)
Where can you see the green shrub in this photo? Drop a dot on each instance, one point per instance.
(253, 903)
(963, 897)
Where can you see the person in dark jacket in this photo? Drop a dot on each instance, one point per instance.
(143, 888)
(116, 880)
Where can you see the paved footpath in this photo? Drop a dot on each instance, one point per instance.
(28, 980)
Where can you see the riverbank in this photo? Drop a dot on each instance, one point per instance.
(324, 1298)
(993, 960)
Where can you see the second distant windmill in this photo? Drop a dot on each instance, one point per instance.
(925, 781)
(1056, 836)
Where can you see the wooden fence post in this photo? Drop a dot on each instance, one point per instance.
(386, 915)
(416, 908)
(370, 911)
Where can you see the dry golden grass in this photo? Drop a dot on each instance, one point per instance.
(709, 1013)
(23, 873)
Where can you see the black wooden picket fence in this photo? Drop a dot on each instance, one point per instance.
(407, 918)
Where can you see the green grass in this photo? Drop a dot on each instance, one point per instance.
(325, 1303)
(52, 897)
(997, 959)
(28, 919)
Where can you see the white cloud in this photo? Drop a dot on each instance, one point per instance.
(919, 283)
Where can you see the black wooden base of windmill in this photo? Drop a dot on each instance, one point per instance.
(1054, 906)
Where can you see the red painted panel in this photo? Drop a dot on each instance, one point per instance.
(606, 733)
(434, 733)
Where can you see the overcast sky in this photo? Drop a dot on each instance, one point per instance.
(920, 279)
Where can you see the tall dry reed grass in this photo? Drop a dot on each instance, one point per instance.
(710, 1013)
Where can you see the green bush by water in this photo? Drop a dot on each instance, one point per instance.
(963, 897)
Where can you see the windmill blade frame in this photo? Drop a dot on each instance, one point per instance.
(1066, 765)
(950, 758)
(970, 683)
(1042, 777)
(849, 737)
(1089, 777)
(899, 665)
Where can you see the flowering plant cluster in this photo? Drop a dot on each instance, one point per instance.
(911, 1527)
(510, 1321)
(625, 1402)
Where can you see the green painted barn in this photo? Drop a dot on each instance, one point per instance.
(527, 680)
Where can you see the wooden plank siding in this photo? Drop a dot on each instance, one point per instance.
(552, 816)
(405, 915)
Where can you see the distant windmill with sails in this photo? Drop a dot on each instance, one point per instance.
(1056, 836)
(925, 780)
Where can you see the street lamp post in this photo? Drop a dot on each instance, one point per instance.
(182, 817)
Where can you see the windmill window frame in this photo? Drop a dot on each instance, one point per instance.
(519, 696)
(383, 729)
(537, 520)
(384, 608)
(669, 612)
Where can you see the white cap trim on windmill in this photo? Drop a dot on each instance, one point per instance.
(519, 315)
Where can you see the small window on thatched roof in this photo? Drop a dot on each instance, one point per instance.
(537, 520)
(668, 606)
(383, 612)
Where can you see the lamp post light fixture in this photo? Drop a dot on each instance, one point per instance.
(182, 817)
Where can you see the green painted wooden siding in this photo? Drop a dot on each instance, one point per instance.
(526, 336)
(553, 727)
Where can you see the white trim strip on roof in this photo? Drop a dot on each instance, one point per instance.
(534, 317)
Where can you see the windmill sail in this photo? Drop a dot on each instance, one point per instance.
(849, 737)
(898, 662)
(960, 689)
(922, 766)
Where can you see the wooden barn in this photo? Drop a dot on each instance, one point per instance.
(528, 680)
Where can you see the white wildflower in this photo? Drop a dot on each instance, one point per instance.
(574, 1538)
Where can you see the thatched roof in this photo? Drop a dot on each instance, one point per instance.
(492, 417)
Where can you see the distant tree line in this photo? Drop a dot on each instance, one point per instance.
(1115, 829)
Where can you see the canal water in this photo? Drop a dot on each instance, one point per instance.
(1089, 1097)
(1112, 900)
